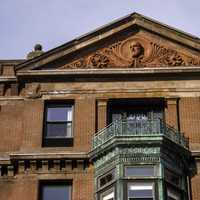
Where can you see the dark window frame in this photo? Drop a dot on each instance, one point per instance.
(168, 173)
(54, 182)
(180, 191)
(60, 141)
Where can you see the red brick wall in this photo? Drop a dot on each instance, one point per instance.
(101, 113)
(32, 124)
(27, 186)
(84, 123)
(196, 187)
(21, 188)
(190, 118)
(21, 124)
(171, 113)
(11, 125)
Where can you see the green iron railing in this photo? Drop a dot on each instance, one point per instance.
(139, 128)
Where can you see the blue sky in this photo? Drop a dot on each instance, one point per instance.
(23, 23)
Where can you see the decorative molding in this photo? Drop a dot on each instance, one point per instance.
(2, 89)
(137, 154)
(42, 166)
(140, 150)
(102, 102)
(132, 53)
(33, 92)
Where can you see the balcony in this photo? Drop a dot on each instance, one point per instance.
(139, 130)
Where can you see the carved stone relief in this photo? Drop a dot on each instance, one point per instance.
(33, 91)
(134, 52)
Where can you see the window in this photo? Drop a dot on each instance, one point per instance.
(55, 190)
(172, 178)
(173, 194)
(140, 190)
(138, 110)
(143, 171)
(106, 179)
(108, 195)
(58, 124)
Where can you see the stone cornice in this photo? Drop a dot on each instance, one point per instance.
(53, 155)
(121, 71)
(12, 62)
(196, 154)
(42, 163)
(8, 79)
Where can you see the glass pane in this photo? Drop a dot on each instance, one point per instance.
(59, 114)
(109, 196)
(140, 193)
(107, 178)
(172, 177)
(58, 192)
(59, 130)
(140, 190)
(140, 198)
(173, 195)
(139, 171)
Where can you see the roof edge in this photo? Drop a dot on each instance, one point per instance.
(103, 29)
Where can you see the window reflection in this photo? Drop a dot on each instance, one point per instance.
(142, 190)
(58, 191)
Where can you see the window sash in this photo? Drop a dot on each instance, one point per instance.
(64, 123)
(173, 194)
(172, 178)
(64, 113)
(139, 171)
(106, 178)
(66, 129)
(108, 194)
(58, 190)
(140, 190)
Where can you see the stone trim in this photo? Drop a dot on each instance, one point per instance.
(134, 71)
(39, 163)
(42, 166)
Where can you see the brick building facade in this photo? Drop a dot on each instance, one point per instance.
(105, 116)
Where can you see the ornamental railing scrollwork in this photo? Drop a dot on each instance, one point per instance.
(134, 128)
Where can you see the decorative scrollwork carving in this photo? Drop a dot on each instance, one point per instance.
(34, 91)
(173, 59)
(193, 62)
(134, 52)
(99, 60)
(163, 56)
(78, 64)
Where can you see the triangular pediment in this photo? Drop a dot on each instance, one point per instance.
(132, 42)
